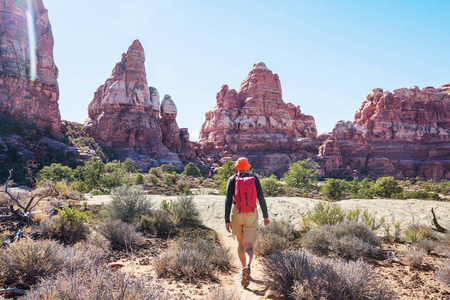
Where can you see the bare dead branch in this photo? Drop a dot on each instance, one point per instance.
(11, 196)
(438, 228)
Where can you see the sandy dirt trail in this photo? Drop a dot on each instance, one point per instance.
(257, 288)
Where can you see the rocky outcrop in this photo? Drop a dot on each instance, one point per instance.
(403, 134)
(124, 114)
(28, 74)
(256, 122)
(169, 126)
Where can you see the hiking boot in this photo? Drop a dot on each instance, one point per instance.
(245, 276)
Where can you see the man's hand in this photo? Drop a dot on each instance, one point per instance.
(228, 227)
(266, 221)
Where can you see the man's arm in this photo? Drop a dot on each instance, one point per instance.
(261, 199)
(229, 198)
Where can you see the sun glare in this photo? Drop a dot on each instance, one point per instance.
(32, 41)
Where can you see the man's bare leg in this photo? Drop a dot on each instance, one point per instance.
(242, 252)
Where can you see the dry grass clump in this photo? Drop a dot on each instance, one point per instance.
(98, 240)
(277, 236)
(158, 223)
(60, 228)
(185, 212)
(128, 203)
(193, 259)
(26, 261)
(299, 275)
(443, 272)
(348, 239)
(427, 245)
(414, 257)
(419, 232)
(95, 283)
(220, 293)
(120, 234)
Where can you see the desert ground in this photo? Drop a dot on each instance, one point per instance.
(408, 282)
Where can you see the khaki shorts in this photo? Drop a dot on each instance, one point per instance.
(244, 225)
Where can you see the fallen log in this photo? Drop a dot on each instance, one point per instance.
(438, 228)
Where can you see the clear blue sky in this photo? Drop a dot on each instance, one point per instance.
(329, 54)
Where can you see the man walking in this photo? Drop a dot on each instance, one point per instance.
(242, 191)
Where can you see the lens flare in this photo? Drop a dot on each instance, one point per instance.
(31, 41)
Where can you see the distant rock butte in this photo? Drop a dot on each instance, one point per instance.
(22, 96)
(405, 133)
(255, 121)
(124, 115)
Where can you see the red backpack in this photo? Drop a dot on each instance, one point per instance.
(245, 194)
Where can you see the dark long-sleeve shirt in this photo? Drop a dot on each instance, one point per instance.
(230, 196)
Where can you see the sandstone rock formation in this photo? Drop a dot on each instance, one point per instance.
(169, 126)
(256, 122)
(124, 114)
(403, 134)
(28, 79)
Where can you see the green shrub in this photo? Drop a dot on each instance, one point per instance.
(159, 223)
(170, 178)
(69, 226)
(335, 188)
(326, 214)
(193, 259)
(386, 186)
(128, 203)
(154, 180)
(272, 187)
(277, 236)
(200, 181)
(302, 174)
(95, 283)
(139, 180)
(348, 239)
(184, 188)
(55, 172)
(225, 172)
(170, 168)
(28, 260)
(301, 276)
(120, 234)
(191, 170)
(185, 212)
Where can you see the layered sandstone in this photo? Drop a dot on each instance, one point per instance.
(124, 113)
(403, 134)
(256, 122)
(169, 126)
(28, 74)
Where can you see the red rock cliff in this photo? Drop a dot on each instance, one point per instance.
(404, 134)
(124, 113)
(256, 122)
(28, 79)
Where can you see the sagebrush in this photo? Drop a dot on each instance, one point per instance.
(300, 275)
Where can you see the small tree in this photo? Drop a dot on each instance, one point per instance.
(302, 174)
(225, 172)
(191, 170)
(272, 187)
(128, 203)
(335, 188)
(386, 186)
(139, 179)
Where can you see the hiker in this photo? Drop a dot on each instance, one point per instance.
(242, 191)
